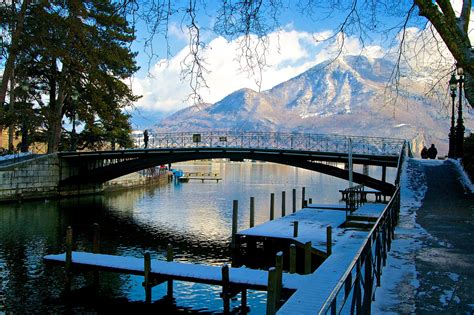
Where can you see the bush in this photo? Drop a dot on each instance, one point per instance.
(468, 158)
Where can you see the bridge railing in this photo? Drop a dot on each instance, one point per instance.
(278, 141)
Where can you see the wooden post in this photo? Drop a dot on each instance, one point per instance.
(271, 290)
(225, 288)
(295, 229)
(307, 258)
(292, 258)
(243, 301)
(294, 200)
(279, 277)
(235, 215)
(96, 241)
(272, 206)
(96, 250)
(303, 197)
(283, 203)
(68, 264)
(310, 200)
(169, 257)
(329, 240)
(147, 283)
(252, 212)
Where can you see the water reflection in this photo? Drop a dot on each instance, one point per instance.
(194, 217)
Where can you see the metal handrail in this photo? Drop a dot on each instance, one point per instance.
(328, 304)
(360, 257)
(277, 140)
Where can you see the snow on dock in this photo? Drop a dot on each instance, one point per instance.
(249, 278)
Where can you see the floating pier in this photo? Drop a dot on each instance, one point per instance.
(199, 176)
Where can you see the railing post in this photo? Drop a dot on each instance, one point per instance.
(368, 281)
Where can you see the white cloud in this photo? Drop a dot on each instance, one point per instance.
(289, 53)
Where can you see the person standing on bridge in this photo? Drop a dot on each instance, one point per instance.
(145, 138)
(424, 153)
(432, 152)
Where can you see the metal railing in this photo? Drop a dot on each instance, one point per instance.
(275, 140)
(360, 280)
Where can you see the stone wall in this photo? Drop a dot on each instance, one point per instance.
(31, 179)
(39, 178)
(138, 179)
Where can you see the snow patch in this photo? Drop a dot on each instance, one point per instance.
(465, 180)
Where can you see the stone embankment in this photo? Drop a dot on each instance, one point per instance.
(39, 178)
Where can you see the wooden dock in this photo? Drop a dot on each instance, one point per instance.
(199, 176)
(164, 270)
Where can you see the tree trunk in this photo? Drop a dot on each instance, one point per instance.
(10, 62)
(11, 109)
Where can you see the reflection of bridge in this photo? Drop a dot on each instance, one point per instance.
(309, 151)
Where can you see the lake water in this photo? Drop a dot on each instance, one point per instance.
(194, 217)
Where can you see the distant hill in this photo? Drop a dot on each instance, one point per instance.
(346, 96)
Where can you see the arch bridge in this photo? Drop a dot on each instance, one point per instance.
(316, 152)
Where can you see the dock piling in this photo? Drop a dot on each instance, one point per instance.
(252, 212)
(96, 250)
(310, 200)
(329, 240)
(68, 264)
(292, 258)
(294, 200)
(307, 258)
(169, 257)
(283, 203)
(295, 229)
(279, 277)
(272, 206)
(225, 289)
(147, 282)
(303, 197)
(271, 290)
(235, 215)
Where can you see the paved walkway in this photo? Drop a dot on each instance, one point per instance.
(431, 266)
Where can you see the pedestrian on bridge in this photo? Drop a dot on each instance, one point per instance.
(424, 153)
(145, 138)
(432, 152)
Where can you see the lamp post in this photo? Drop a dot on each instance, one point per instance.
(453, 84)
(459, 147)
(74, 97)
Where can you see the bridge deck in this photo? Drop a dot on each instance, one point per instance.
(248, 278)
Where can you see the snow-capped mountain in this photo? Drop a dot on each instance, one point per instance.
(348, 96)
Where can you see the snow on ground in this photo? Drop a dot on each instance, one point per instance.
(13, 156)
(465, 180)
(399, 277)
